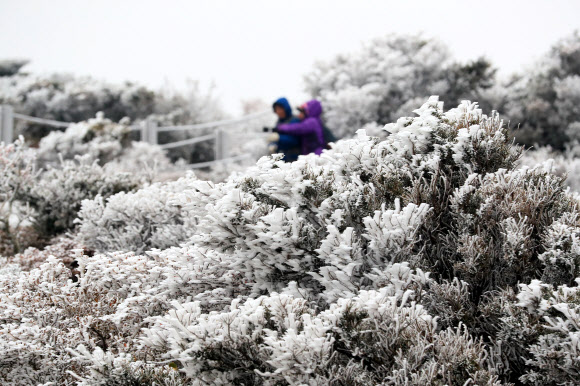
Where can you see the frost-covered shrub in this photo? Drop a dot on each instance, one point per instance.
(106, 369)
(136, 221)
(377, 336)
(565, 164)
(103, 303)
(34, 344)
(554, 356)
(142, 158)
(535, 332)
(334, 269)
(36, 205)
(389, 77)
(9, 67)
(100, 138)
(57, 195)
(79, 99)
(61, 247)
(68, 98)
(26, 359)
(544, 100)
(17, 173)
(500, 221)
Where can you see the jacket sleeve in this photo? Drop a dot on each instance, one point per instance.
(307, 126)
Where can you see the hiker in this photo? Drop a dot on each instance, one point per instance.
(309, 130)
(287, 144)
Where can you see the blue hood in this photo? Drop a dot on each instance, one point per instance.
(283, 102)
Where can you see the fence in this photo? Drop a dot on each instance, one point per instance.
(149, 133)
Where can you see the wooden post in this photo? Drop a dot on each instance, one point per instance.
(6, 124)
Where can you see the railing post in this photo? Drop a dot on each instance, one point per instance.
(225, 145)
(144, 132)
(6, 123)
(221, 145)
(149, 132)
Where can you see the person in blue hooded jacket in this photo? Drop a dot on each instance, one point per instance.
(310, 129)
(287, 144)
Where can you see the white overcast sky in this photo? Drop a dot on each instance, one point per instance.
(261, 49)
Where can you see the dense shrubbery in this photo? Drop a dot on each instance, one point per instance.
(17, 174)
(47, 203)
(38, 203)
(57, 195)
(79, 100)
(136, 221)
(74, 99)
(565, 164)
(100, 139)
(544, 101)
(68, 98)
(426, 257)
(387, 78)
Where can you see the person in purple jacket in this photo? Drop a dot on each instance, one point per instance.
(309, 129)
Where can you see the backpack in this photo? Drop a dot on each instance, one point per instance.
(328, 136)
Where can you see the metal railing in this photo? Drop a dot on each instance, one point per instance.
(149, 132)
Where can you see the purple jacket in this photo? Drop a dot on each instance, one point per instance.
(309, 130)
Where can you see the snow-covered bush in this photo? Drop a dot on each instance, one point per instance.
(67, 98)
(103, 303)
(554, 356)
(544, 100)
(565, 164)
(102, 140)
(330, 212)
(389, 77)
(136, 221)
(33, 344)
(36, 205)
(17, 173)
(61, 247)
(79, 99)
(107, 369)
(57, 195)
(377, 336)
(9, 67)
(142, 158)
(397, 261)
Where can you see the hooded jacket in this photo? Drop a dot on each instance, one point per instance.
(309, 130)
(283, 102)
(287, 144)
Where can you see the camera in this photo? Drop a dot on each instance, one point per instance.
(269, 130)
